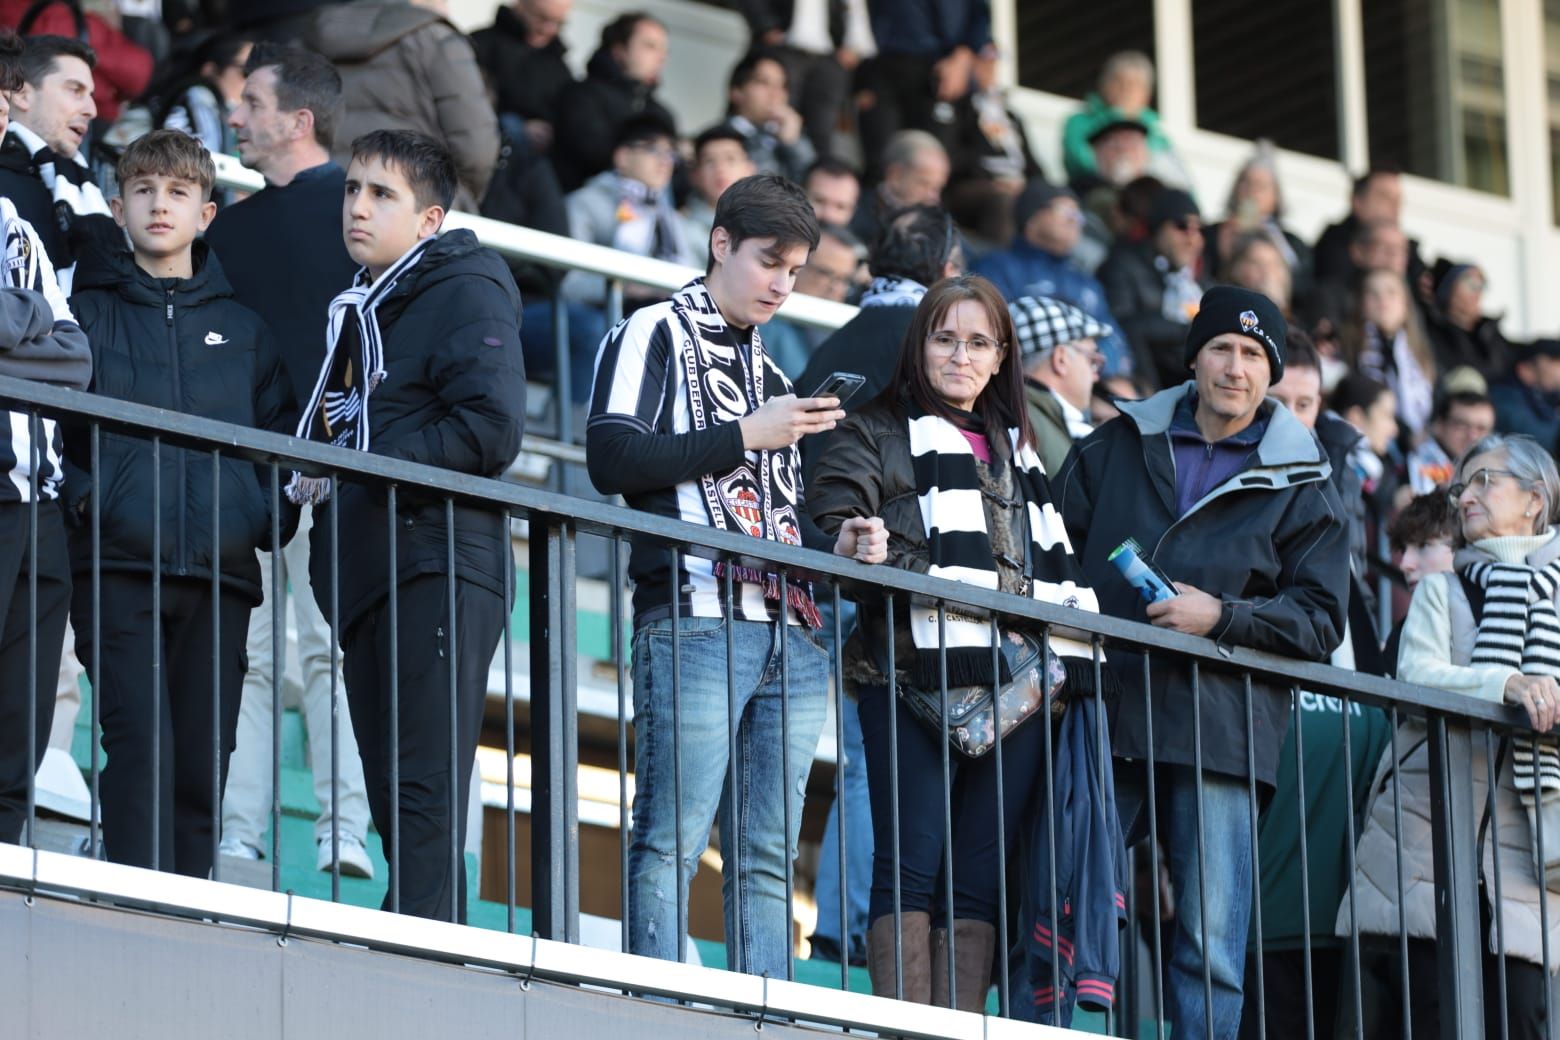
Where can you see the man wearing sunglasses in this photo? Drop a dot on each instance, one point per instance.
(1062, 359)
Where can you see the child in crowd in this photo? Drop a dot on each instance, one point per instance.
(166, 331)
(431, 324)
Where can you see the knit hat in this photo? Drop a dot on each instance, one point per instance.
(1226, 308)
(1036, 196)
(1170, 205)
(1446, 279)
(1041, 323)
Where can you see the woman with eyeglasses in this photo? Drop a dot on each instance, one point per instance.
(1489, 629)
(946, 457)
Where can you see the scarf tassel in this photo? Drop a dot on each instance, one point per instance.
(796, 592)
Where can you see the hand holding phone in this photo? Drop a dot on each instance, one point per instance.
(841, 385)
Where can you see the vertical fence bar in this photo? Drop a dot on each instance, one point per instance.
(1153, 850)
(1049, 765)
(1354, 931)
(1297, 709)
(947, 796)
(787, 795)
(677, 802)
(736, 950)
(1492, 767)
(393, 853)
(507, 562)
(995, 634)
(216, 664)
(893, 798)
(1256, 857)
(95, 824)
(839, 784)
(1459, 944)
(452, 678)
(554, 729)
(619, 658)
(1202, 865)
(1113, 1020)
(1402, 907)
(563, 380)
(156, 648)
(278, 636)
(614, 301)
(1543, 896)
(335, 690)
(34, 462)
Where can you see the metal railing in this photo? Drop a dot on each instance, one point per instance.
(1453, 726)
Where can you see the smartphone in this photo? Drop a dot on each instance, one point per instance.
(841, 385)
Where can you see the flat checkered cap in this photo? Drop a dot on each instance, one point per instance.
(1044, 322)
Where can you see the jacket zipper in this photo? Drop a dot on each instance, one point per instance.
(180, 556)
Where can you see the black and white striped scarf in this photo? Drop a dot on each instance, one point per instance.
(959, 545)
(1519, 628)
(354, 366)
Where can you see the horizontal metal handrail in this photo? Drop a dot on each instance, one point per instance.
(559, 251)
(609, 520)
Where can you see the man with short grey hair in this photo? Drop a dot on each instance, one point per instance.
(915, 171)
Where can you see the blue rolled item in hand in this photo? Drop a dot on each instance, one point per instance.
(1141, 573)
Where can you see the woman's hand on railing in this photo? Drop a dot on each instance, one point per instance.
(863, 538)
(1539, 695)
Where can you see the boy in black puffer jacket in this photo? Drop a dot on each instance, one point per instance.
(166, 331)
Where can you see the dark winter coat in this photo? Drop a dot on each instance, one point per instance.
(868, 345)
(589, 115)
(1135, 289)
(186, 345)
(453, 396)
(527, 80)
(1271, 542)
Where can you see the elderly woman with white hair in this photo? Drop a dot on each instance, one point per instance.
(1490, 629)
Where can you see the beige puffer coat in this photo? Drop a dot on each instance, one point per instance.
(1407, 765)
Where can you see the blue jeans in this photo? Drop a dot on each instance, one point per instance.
(587, 327)
(1226, 852)
(756, 835)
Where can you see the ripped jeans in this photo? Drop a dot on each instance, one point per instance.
(757, 838)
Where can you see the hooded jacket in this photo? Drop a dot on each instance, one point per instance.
(404, 67)
(1270, 541)
(187, 345)
(453, 395)
(590, 113)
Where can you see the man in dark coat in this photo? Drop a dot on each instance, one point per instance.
(522, 54)
(438, 314)
(1230, 495)
(619, 82)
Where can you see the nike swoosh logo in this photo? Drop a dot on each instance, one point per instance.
(215, 339)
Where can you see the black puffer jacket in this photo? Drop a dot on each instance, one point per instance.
(188, 346)
(1271, 542)
(589, 115)
(453, 395)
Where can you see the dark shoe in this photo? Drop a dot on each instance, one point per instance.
(915, 956)
(823, 949)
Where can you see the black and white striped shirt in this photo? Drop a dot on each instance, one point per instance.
(26, 265)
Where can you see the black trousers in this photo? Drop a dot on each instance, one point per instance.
(26, 682)
(429, 823)
(904, 93)
(1284, 997)
(1525, 985)
(169, 710)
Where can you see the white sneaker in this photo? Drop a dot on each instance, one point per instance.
(355, 861)
(239, 849)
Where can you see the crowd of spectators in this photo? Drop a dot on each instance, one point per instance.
(877, 136)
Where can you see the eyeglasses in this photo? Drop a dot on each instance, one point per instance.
(664, 152)
(976, 348)
(1094, 357)
(1479, 482)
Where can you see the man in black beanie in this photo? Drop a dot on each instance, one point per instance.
(1229, 494)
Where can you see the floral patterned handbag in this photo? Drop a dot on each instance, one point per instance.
(973, 724)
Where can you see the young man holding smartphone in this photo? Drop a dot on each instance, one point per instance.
(690, 419)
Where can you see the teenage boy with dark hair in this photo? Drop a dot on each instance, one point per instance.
(166, 331)
(690, 419)
(433, 321)
(39, 340)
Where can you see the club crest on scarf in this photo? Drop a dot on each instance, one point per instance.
(740, 495)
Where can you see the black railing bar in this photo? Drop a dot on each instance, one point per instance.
(156, 648)
(1349, 866)
(336, 694)
(1297, 713)
(216, 666)
(1402, 881)
(508, 564)
(34, 464)
(1497, 919)
(837, 667)
(278, 607)
(738, 951)
(1253, 807)
(601, 518)
(95, 823)
(786, 794)
(994, 633)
